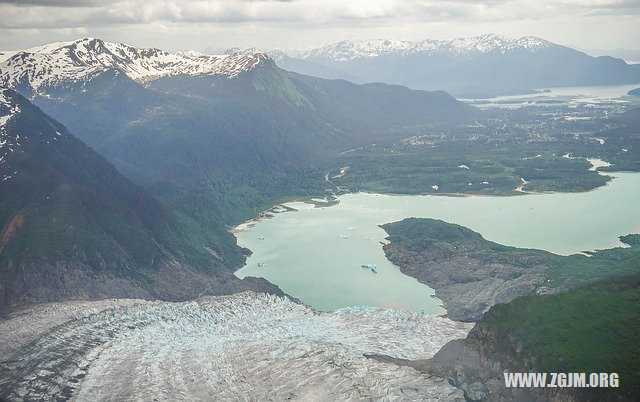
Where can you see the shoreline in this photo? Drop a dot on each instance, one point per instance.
(286, 207)
(596, 163)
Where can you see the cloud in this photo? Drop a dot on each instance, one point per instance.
(291, 20)
(74, 13)
(58, 3)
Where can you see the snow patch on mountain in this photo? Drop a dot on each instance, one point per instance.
(350, 50)
(79, 60)
(8, 143)
(7, 108)
(5, 54)
(248, 345)
(276, 55)
(13, 139)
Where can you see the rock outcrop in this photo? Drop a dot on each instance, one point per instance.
(468, 273)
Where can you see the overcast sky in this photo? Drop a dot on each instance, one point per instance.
(303, 24)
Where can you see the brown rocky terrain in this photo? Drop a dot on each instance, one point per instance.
(468, 273)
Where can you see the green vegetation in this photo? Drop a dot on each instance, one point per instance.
(578, 270)
(74, 207)
(592, 329)
(491, 171)
(410, 232)
(73, 200)
(216, 152)
(591, 325)
(499, 151)
(565, 272)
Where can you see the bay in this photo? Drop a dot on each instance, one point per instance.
(315, 254)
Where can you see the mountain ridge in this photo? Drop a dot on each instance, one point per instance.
(349, 50)
(478, 67)
(80, 59)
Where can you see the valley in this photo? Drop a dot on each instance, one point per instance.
(284, 236)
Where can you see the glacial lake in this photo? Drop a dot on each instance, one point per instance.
(316, 253)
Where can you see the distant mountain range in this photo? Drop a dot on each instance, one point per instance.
(629, 55)
(485, 65)
(216, 139)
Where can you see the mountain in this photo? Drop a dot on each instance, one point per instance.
(77, 61)
(631, 56)
(296, 63)
(634, 92)
(73, 227)
(350, 50)
(485, 65)
(211, 140)
(227, 135)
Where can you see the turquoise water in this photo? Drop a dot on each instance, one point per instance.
(304, 254)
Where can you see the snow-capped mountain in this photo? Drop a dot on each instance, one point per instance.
(81, 59)
(350, 50)
(276, 55)
(486, 65)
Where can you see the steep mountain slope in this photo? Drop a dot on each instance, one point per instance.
(479, 66)
(531, 333)
(235, 141)
(72, 226)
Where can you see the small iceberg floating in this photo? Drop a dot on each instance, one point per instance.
(372, 267)
(344, 236)
(260, 238)
(261, 264)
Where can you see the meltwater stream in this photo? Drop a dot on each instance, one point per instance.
(315, 254)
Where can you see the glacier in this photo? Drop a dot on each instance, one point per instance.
(244, 346)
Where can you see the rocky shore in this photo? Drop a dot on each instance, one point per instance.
(554, 328)
(468, 273)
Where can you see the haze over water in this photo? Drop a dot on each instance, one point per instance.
(303, 253)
